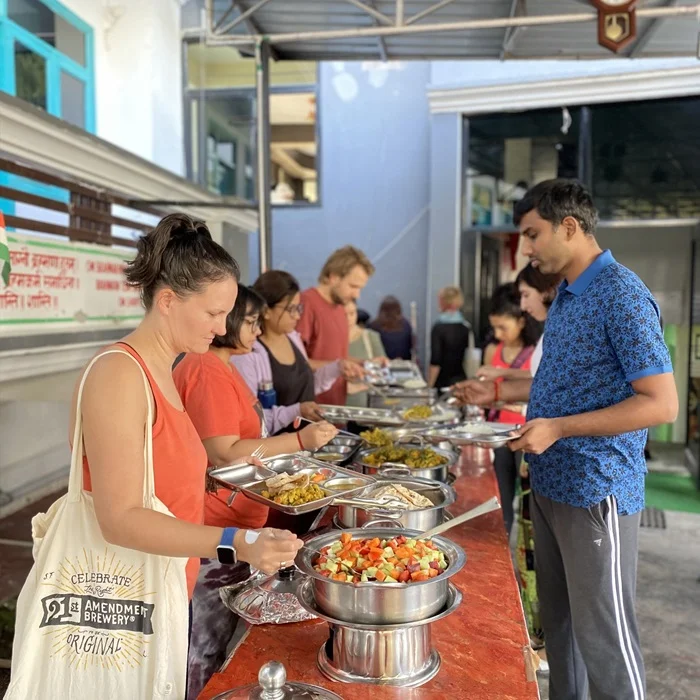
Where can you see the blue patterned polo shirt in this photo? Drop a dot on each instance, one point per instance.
(602, 333)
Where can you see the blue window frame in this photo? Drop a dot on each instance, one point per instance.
(55, 73)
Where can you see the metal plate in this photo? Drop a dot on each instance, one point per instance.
(394, 375)
(363, 416)
(240, 474)
(457, 435)
(340, 450)
(441, 414)
(294, 464)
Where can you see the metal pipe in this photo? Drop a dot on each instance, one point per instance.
(428, 11)
(262, 114)
(243, 16)
(408, 29)
(399, 13)
(209, 16)
(231, 8)
(376, 14)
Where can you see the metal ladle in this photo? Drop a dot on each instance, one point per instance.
(486, 507)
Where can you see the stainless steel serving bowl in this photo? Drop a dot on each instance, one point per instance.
(380, 603)
(420, 519)
(438, 473)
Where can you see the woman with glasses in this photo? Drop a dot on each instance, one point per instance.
(229, 421)
(279, 356)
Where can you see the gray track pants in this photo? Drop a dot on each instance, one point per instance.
(586, 562)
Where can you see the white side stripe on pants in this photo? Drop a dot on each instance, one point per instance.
(620, 616)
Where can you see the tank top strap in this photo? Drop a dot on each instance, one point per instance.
(162, 405)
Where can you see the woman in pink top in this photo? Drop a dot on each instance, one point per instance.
(279, 355)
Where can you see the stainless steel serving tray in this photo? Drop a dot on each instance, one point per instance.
(363, 416)
(394, 375)
(458, 435)
(340, 450)
(233, 477)
(441, 414)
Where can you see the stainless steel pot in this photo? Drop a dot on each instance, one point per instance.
(380, 603)
(438, 473)
(442, 496)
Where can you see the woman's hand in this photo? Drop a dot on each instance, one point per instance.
(248, 460)
(351, 370)
(317, 435)
(268, 549)
(490, 372)
(309, 410)
(381, 361)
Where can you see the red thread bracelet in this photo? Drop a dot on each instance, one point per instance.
(301, 444)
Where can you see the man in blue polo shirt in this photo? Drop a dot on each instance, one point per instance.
(605, 377)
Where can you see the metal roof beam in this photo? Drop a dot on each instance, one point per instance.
(399, 15)
(494, 23)
(381, 42)
(428, 11)
(517, 8)
(242, 17)
(254, 27)
(225, 16)
(380, 17)
(647, 35)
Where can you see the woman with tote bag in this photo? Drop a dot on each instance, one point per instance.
(104, 611)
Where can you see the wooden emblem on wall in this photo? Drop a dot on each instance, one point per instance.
(617, 23)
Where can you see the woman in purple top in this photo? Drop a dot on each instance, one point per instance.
(279, 355)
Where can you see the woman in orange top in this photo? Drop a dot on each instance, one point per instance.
(517, 334)
(230, 423)
(188, 285)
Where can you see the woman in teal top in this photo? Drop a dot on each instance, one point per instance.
(365, 344)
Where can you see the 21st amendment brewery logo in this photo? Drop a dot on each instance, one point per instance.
(97, 612)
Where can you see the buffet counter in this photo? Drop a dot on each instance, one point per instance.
(483, 644)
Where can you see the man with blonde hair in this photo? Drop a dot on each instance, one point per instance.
(323, 326)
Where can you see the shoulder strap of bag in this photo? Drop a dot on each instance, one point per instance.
(368, 345)
(75, 482)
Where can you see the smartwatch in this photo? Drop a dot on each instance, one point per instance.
(226, 552)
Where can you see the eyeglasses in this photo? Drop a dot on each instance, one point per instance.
(294, 309)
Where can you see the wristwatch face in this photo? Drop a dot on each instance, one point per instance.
(226, 554)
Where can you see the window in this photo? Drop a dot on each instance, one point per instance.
(49, 60)
(509, 153)
(220, 106)
(645, 159)
(46, 59)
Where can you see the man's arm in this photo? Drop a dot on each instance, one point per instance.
(480, 393)
(655, 402)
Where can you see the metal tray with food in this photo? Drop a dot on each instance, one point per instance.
(239, 474)
(484, 434)
(402, 374)
(340, 450)
(400, 398)
(297, 484)
(363, 416)
(426, 414)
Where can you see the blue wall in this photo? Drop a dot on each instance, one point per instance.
(374, 182)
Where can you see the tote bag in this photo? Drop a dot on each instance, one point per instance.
(95, 620)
